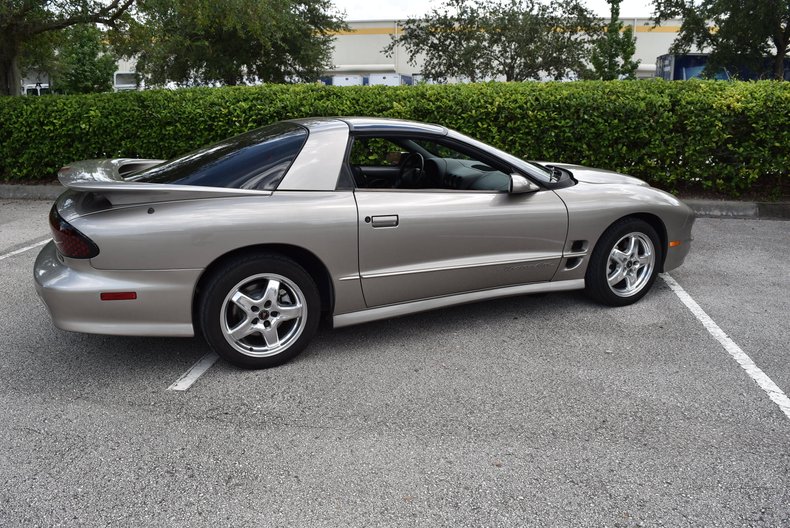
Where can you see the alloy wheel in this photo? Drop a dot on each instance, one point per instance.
(630, 265)
(263, 315)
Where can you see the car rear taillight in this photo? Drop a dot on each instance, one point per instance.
(70, 242)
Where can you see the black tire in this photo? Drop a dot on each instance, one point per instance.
(272, 282)
(601, 267)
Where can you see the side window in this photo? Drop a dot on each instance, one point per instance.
(412, 163)
(375, 152)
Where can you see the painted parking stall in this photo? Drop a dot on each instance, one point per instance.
(495, 413)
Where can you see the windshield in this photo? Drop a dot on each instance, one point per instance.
(254, 160)
(539, 172)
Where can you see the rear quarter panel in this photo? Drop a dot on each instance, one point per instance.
(191, 234)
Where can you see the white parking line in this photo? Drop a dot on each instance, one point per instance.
(190, 376)
(22, 250)
(765, 383)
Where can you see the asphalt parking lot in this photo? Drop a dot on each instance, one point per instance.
(532, 411)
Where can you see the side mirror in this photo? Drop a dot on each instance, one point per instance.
(520, 185)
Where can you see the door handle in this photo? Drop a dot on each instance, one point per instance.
(385, 221)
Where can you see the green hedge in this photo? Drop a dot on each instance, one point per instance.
(729, 137)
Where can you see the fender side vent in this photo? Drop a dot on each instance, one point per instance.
(572, 263)
(578, 246)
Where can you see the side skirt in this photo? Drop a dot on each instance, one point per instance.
(397, 310)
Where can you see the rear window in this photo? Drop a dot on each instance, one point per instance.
(254, 160)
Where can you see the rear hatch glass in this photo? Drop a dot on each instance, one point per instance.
(254, 160)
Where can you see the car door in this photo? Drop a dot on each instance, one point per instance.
(421, 243)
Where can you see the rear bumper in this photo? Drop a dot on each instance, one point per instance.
(71, 292)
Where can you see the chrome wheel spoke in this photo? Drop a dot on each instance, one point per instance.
(244, 302)
(271, 336)
(241, 330)
(633, 246)
(618, 256)
(616, 277)
(286, 313)
(272, 292)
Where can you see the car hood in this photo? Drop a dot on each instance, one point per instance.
(590, 175)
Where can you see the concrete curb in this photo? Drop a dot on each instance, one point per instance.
(31, 192)
(702, 208)
(733, 209)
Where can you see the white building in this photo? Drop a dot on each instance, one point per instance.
(359, 51)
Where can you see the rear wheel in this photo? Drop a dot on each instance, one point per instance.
(624, 264)
(259, 311)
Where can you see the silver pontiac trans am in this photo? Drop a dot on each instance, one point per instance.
(253, 240)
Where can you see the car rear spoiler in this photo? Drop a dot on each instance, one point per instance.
(107, 178)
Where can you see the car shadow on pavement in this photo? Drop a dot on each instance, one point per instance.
(74, 358)
(76, 361)
(479, 320)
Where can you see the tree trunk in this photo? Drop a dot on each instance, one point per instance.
(781, 41)
(10, 78)
(779, 66)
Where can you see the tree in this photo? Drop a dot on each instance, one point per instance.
(514, 39)
(38, 53)
(751, 35)
(612, 54)
(231, 42)
(452, 38)
(22, 22)
(572, 30)
(83, 63)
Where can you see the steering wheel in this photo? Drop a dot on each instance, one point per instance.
(412, 172)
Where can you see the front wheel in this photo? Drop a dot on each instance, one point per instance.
(259, 311)
(624, 264)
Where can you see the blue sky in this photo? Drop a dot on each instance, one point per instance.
(387, 9)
